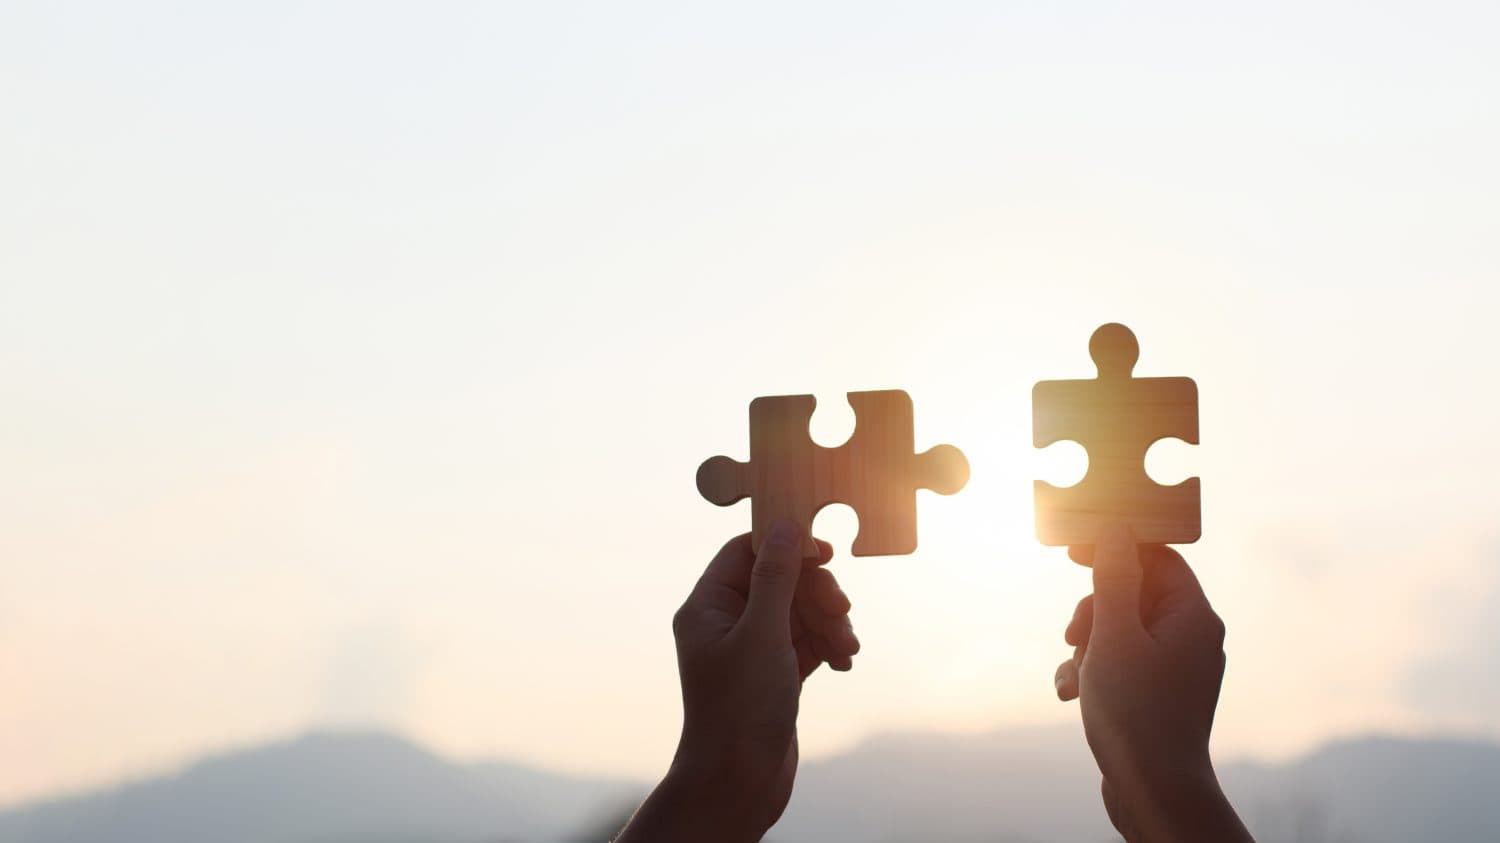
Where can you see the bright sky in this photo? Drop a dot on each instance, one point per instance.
(357, 357)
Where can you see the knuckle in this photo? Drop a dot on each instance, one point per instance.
(1215, 628)
(681, 619)
(773, 574)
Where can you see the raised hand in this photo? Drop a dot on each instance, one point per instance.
(753, 628)
(1147, 666)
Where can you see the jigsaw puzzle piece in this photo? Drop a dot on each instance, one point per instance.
(882, 474)
(875, 472)
(1156, 514)
(785, 472)
(1117, 418)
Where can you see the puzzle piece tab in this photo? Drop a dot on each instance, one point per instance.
(1116, 417)
(875, 473)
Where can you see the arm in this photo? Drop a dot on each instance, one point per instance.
(1147, 666)
(753, 629)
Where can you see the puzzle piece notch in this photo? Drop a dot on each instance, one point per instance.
(1117, 418)
(876, 472)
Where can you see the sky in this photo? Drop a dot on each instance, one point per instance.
(357, 358)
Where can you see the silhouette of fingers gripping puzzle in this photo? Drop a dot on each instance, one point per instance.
(875, 473)
(1116, 417)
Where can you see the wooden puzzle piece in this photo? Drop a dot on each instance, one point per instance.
(875, 473)
(1116, 417)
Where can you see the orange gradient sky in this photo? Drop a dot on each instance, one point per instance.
(358, 357)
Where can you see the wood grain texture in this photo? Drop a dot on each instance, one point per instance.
(875, 473)
(1116, 417)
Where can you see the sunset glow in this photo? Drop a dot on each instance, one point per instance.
(366, 386)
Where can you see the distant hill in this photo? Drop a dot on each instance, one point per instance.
(1014, 785)
(1375, 790)
(326, 788)
(1003, 787)
(1042, 785)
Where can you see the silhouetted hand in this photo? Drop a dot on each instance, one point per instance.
(1147, 667)
(751, 631)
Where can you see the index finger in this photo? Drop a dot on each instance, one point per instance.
(1179, 610)
(1170, 586)
(731, 566)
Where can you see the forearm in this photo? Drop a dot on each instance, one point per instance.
(686, 808)
(1184, 812)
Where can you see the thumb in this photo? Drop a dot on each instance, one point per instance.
(1117, 581)
(773, 580)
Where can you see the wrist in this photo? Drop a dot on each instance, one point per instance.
(686, 808)
(1186, 806)
(727, 760)
(714, 787)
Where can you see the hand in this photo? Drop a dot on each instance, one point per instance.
(752, 630)
(1147, 667)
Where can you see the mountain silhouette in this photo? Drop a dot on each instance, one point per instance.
(325, 788)
(1375, 790)
(1009, 786)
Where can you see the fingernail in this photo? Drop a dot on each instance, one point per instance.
(783, 534)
